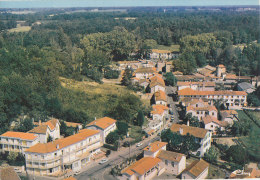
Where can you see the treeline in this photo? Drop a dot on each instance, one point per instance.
(217, 48)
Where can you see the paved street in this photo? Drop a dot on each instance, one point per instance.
(100, 172)
(169, 91)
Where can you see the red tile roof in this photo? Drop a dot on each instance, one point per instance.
(62, 143)
(142, 166)
(206, 108)
(197, 167)
(160, 96)
(156, 80)
(155, 146)
(103, 123)
(170, 155)
(195, 131)
(159, 109)
(208, 119)
(19, 135)
(189, 92)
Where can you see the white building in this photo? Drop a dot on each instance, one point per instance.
(70, 153)
(161, 54)
(232, 99)
(160, 98)
(44, 130)
(144, 73)
(212, 123)
(105, 125)
(199, 86)
(159, 112)
(157, 84)
(199, 169)
(203, 136)
(17, 141)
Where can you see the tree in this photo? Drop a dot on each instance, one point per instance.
(25, 125)
(193, 121)
(212, 154)
(170, 79)
(63, 128)
(126, 79)
(237, 154)
(122, 128)
(112, 137)
(126, 108)
(12, 156)
(140, 118)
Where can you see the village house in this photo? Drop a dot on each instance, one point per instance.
(159, 97)
(47, 129)
(156, 84)
(245, 174)
(203, 136)
(154, 148)
(105, 125)
(172, 162)
(229, 116)
(199, 86)
(144, 73)
(159, 112)
(17, 141)
(232, 99)
(190, 78)
(163, 66)
(128, 64)
(161, 54)
(220, 70)
(212, 123)
(202, 111)
(198, 169)
(70, 153)
(143, 169)
(206, 71)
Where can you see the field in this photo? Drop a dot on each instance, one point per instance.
(91, 97)
(21, 29)
(251, 142)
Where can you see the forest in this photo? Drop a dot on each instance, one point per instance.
(82, 46)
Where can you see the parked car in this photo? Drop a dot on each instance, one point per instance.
(103, 161)
(76, 172)
(139, 144)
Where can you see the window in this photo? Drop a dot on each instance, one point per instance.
(213, 113)
(172, 164)
(166, 162)
(198, 112)
(211, 126)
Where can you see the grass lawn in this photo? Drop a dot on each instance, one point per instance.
(256, 115)
(175, 48)
(242, 116)
(216, 172)
(90, 97)
(21, 29)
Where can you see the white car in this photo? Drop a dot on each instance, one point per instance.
(139, 144)
(103, 161)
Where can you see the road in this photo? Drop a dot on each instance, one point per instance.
(101, 171)
(170, 91)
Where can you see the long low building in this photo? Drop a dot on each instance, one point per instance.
(200, 86)
(232, 99)
(70, 153)
(17, 141)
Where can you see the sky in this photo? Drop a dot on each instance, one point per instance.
(120, 3)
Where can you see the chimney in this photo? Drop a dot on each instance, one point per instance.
(181, 131)
(57, 146)
(188, 123)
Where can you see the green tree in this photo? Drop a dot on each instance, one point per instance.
(126, 79)
(170, 79)
(212, 154)
(49, 139)
(193, 121)
(122, 128)
(140, 118)
(112, 137)
(237, 154)
(25, 125)
(63, 128)
(12, 156)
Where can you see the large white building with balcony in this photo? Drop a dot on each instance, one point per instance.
(17, 141)
(232, 99)
(70, 153)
